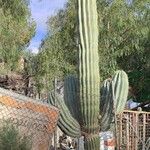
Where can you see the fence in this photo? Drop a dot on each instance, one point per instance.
(33, 119)
(133, 130)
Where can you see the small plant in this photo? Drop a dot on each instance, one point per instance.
(10, 139)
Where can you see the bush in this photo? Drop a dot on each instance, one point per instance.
(10, 139)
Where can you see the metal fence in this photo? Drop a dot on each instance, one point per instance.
(133, 130)
(32, 118)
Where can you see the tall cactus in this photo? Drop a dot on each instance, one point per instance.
(89, 78)
(86, 120)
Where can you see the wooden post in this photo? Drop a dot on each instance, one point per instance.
(78, 144)
(120, 135)
(144, 129)
(136, 130)
(55, 133)
(127, 131)
(115, 123)
(54, 139)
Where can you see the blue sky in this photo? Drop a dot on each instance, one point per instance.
(41, 10)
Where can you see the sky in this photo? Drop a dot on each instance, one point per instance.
(40, 11)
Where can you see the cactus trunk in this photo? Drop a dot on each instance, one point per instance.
(89, 78)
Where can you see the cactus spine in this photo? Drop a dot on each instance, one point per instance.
(89, 78)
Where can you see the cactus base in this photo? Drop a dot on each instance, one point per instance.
(92, 143)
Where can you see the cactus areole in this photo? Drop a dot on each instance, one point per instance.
(89, 78)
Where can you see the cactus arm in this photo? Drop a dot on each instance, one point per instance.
(66, 122)
(106, 105)
(104, 93)
(120, 90)
(89, 79)
(71, 95)
(113, 98)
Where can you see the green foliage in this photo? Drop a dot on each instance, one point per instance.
(138, 68)
(139, 81)
(16, 8)
(58, 54)
(122, 26)
(16, 30)
(10, 139)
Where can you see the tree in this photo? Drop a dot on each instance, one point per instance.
(58, 53)
(121, 28)
(138, 68)
(16, 30)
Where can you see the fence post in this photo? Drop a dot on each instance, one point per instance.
(55, 132)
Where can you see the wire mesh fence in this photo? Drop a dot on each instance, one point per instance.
(33, 119)
(133, 130)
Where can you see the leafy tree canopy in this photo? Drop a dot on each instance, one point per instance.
(16, 30)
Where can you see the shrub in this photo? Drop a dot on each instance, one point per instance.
(11, 139)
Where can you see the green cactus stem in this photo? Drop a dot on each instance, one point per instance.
(106, 105)
(120, 86)
(114, 94)
(89, 81)
(89, 78)
(71, 98)
(66, 122)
